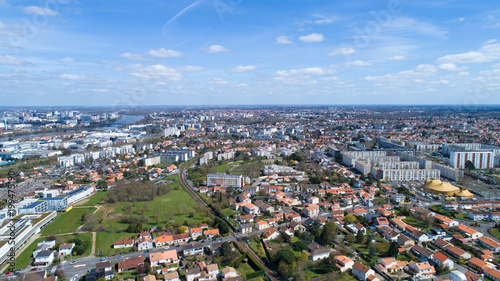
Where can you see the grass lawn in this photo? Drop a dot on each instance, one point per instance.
(177, 204)
(67, 222)
(257, 248)
(495, 232)
(416, 223)
(222, 168)
(61, 239)
(402, 258)
(94, 199)
(311, 274)
(25, 257)
(104, 242)
(244, 269)
(382, 247)
(463, 216)
(250, 169)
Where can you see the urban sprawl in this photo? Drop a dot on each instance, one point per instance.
(250, 193)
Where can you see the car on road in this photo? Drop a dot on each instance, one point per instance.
(34, 268)
(72, 262)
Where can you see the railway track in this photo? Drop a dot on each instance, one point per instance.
(182, 179)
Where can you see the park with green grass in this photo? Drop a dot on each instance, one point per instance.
(68, 222)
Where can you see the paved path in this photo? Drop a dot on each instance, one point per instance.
(94, 235)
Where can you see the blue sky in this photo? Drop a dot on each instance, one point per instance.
(211, 52)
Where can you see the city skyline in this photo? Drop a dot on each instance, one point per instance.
(221, 52)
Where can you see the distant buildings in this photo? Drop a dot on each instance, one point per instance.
(481, 155)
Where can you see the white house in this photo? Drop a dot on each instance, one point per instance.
(422, 269)
(44, 258)
(344, 263)
(441, 259)
(229, 272)
(65, 249)
(361, 272)
(144, 243)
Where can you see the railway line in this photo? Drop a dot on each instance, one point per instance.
(182, 179)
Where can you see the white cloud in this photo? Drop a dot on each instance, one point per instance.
(71, 76)
(192, 68)
(158, 71)
(313, 70)
(312, 38)
(242, 68)
(486, 53)
(283, 39)
(36, 10)
(342, 51)
(397, 58)
(461, 19)
(10, 60)
(68, 60)
(300, 76)
(410, 26)
(163, 53)
(332, 79)
(416, 74)
(216, 49)
(131, 56)
(451, 67)
(358, 63)
(488, 42)
(217, 81)
(326, 20)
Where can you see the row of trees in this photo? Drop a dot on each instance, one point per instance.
(135, 192)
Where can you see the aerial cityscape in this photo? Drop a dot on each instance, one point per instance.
(233, 140)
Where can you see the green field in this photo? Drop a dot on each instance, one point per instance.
(177, 202)
(416, 223)
(495, 232)
(222, 168)
(27, 255)
(176, 205)
(61, 239)
(244, 269)
(67, 222)
(249, 169)
(94, 199)
(104, 242)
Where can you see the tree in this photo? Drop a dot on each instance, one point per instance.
(372, 250)
(102, 184)
(315, 228)
(393, 250)
(285, 237)
(469, 165)
(329, 232)
(284, 255)
(300, 246)
(349, 219)
(221, 225)
(360, 237)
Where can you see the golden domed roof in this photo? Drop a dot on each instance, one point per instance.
(440, 187)
(465, 193)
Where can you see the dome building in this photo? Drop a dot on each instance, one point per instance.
(439, 187)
